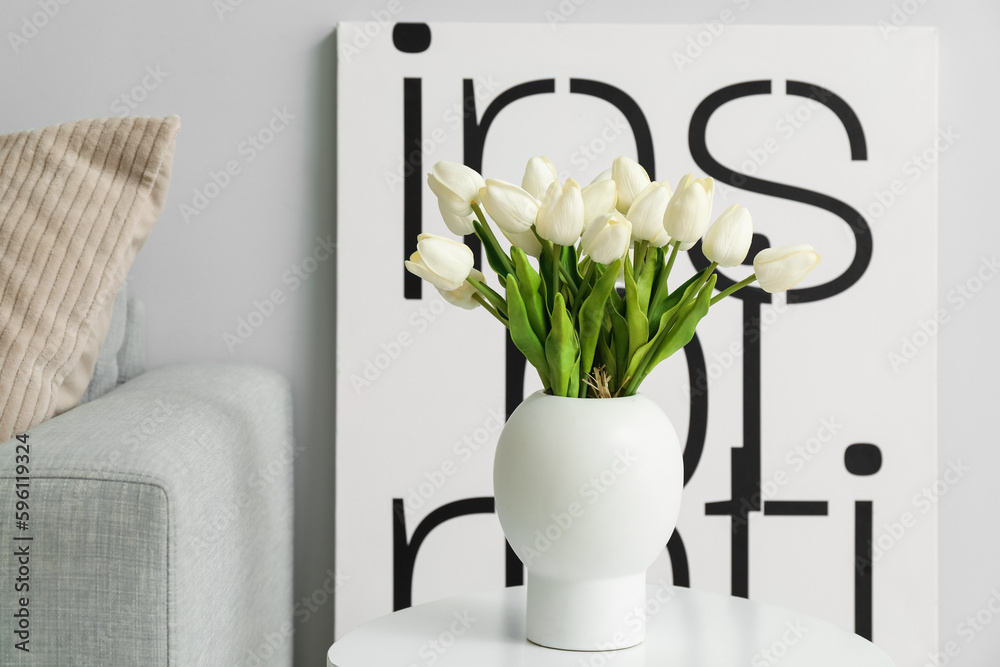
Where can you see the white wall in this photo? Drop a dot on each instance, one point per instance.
(225, 74)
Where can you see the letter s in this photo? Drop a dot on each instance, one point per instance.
(697, 131)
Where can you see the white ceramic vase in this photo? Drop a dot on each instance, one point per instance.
(587, 492)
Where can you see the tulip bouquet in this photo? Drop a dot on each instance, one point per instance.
(562, 308)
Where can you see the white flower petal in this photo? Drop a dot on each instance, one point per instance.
(727, 241)
(630, 178)
(780, 269)
(512, 208)
(538, 175)
(599, 197)
(561, 216)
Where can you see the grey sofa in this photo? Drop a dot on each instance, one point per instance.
(161, 524)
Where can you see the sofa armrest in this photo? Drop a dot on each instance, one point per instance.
(161, 518)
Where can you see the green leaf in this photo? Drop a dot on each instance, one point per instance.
(638, 325)
(660, 305)
(681, 333)
(497, 258)
(530, 283)
(592, 316)
(521, 333)
(562, 350)
(619, 340)
(645, 283)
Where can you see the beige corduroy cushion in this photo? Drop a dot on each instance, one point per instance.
(77, 202)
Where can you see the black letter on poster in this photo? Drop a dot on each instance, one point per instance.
(745, 462)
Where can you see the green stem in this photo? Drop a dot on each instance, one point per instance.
(729, 290)
(486, 304)
(641, 248)
(492, 239)
(485, 290)
(670, 262)
(640, 374)
(569, 279)
(556, 266)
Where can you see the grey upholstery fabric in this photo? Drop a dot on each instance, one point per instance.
(161, 518)
(105, 376)
(132, 353)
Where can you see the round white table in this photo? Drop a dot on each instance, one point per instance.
(684, 628)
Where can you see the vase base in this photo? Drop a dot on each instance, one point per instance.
(591, 615)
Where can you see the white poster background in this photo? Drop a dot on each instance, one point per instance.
(421, 384)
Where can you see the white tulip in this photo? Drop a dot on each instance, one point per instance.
(780, 269)
(630, 178)
(538, 175)
(560, 219)
(727, 241)
(456, 187)
(526, 241)
(441, 262)
(689, 209)
(603, 176)
(460, 225)
(646, 214)
(464, 296)
(599, 197)
(513, 209)
(607, 237)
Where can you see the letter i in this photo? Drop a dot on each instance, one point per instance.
(863, 459)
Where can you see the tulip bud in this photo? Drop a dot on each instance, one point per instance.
(780, 269)
(526, 241)
(513, 209)
(646, 214)
(607, 237)
(727, 241)
(560, 218)
(463, 297)
(538, 175)
(460, 225)
(441, 262)
(599, 198)
(456, 187)
(630, 178)
(603, 176)
(689, 209)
